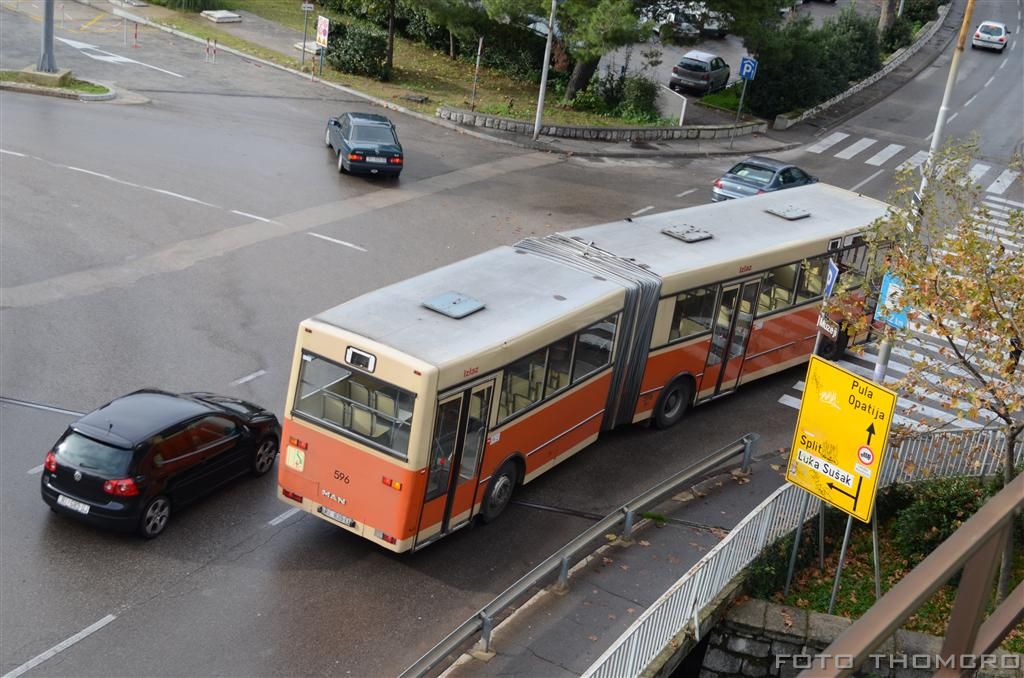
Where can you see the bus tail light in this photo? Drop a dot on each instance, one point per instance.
(385, 537)
(394, 484)
(292, 495)
(295, 442)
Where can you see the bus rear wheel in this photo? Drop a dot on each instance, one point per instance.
(499, 491)
(672, 403)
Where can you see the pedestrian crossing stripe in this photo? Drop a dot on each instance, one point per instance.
(880, 158)
(854, 149)
(827, 143)
(914, 161)
(1003, 182)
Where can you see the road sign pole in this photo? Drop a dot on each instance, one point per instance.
(305, 27)
(882, 363)
(874, 550)
(321, 62)
(796, 542)
(839, 567)
(821, 536)
(476, 73)
(743, 94)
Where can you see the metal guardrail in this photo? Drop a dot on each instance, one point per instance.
(483, 620)
(940, 454)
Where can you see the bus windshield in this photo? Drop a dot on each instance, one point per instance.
(354, 404)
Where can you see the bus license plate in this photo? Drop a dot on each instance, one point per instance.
(68, 502)
(381, 161)
(334, 515)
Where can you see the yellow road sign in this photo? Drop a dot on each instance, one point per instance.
(840, 437)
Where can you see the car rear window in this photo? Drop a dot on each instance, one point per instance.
(989, 29)
(91, 455)
(752, 173)
(373, 133)
(693, 65)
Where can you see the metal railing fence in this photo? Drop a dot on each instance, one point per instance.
(482, 621)
(940, 454)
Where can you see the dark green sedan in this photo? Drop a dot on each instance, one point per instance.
(365, 143)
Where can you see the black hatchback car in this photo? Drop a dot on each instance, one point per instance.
(366, 143)
(128, 463)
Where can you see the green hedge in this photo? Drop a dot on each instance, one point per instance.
(358, 48)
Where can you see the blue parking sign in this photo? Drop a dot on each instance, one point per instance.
(890, 309)
(748, 68)
(831, 277)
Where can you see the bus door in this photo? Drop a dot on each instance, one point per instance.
(729, 336)
(456, 451)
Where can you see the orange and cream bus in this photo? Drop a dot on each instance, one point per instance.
(420, 406)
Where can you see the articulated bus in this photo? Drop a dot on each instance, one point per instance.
(416, 408)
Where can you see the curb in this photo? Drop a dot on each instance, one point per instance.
(60, 93)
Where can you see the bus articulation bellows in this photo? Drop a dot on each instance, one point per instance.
(420, 406)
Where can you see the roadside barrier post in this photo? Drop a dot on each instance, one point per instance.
(206, 55)
(136, 38)
(562, 585)
(485, 632)
(749, 444)
(215, 50)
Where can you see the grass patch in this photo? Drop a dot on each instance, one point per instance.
(728, 98)
(812, 587)
(73, 84)
(417, 70)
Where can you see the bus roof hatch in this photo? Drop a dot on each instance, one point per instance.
(454, 304)
(687, 233)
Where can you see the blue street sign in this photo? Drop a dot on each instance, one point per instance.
(830, 277)
(890, 310)
(748, 68)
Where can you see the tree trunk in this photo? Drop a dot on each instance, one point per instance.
(1006, 566)
(582, 72)
(451, 45)
(888, 17)
(391, 35)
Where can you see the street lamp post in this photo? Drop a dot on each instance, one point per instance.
(47, 62)
(544, 72)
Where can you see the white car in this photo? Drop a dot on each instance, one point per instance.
(990, 35)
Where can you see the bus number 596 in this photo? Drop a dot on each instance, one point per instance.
(343, 477)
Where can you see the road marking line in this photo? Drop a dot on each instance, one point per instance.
(855, 187)
(989, 81)
(878, 159)
(60, 647)
(179, 195)
(98, 174)
(253, 216)
(337, 242)
(284, 516)
(685, 193)
(914, 161)
(92, 21)
(1006, 59)
(1003, 182)
(35, 469)
(827, 142)
(1011, 203)
(6, 152)
(641, 211)
(951, 119)
(856, 148)
(249, 377)
(37, 406)
(971, 100)
(978, 171)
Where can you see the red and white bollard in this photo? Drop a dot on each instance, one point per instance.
(214, 51)
(136, 39)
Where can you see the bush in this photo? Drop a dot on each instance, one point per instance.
(639, 100)
(921, 11)
(631, 97)
(358, 48)
(900, 34)
(938, 509)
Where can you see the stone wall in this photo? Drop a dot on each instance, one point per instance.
(757, 638)
(464, 117)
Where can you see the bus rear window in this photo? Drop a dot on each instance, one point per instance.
(354, 404)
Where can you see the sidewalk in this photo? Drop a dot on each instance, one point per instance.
(561, 635)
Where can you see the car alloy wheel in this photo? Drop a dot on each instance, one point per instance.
(341, 163)
(263, 459)
(155, 517)
(327, 137)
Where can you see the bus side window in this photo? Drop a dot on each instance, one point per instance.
(522, 384)
(777, 290)
(693, 313)
(593, 348)
(812, 279)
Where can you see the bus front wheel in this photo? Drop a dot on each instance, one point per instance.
(672, 404)
(499, 491)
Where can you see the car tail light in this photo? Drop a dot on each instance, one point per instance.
(51, 462)
(1002, 39)
(125, 487)
(395, 161)
(705, 76)
(292, 495)
(977, 35)
(356, 156)
(675, 69)
(759, 192)
(719, 184)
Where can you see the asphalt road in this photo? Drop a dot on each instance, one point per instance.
(177, 242)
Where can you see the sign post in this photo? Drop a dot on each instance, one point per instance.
(748, 69)
(323, 29)
(839, 443)
(307, 7)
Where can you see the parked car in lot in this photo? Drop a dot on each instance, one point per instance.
(708, 22)
(366, 143)
(700, 71)
(127, 464)
(757, 175)
(990, 35)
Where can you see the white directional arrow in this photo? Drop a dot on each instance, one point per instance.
(94, 52)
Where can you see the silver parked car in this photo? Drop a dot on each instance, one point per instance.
(991, 35)
(700, 71)
(757, 175)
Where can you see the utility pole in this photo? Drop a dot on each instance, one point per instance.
(544, 72)
(47, 62)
